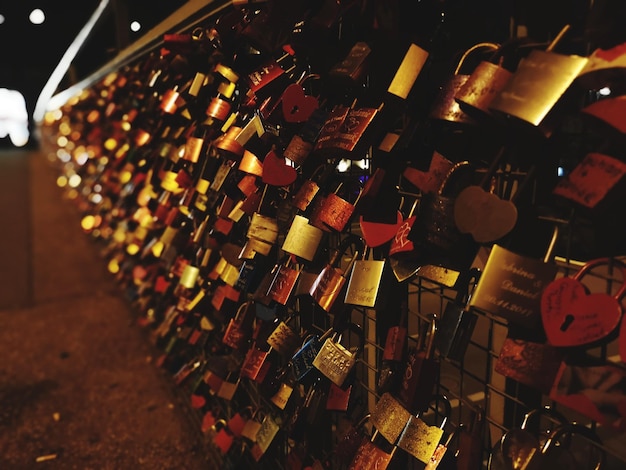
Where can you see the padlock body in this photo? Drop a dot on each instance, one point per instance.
(418, 384)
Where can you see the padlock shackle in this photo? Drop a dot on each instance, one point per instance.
(569, 429)
(242, 309)
(343, 247)
(481, 45)
(611, 263)
(456, 167)
(355, 328)
(429, 345)
(547, 410)
(439, 399)
(558, 38)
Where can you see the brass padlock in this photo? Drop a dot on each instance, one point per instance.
(365, 279)
(532, 94)
(482, 86)
(421, 439)
(285, 339)
(445, 107)
(302, 239)
(389, 417)
(336, 361)
(329, 283)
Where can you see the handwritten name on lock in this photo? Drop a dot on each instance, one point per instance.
(590, 181)
(364, 282)
(511, 286)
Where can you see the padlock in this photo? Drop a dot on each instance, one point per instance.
(338, 398)
(296, 104)
(573, 315)
(229, 386)
(394, 349)
(284, 280)
(353, 67)
(531, 362)
(253, 366)
(457, 323)
(482, 86)
(365, 280)
(237, 422)
(436, 217)
(223, 438)
(302, 360)
(445, 107)
(420, 439)
(470, 441)
(349, 442)
(441, 453)
(303, 239)
(353, 136)
(280, 387)
(422, 371)
(479, 211)
(336, 210)
(370, 456)
(310, 187)
(389, 417)
(285, 339)
(533, 92)
(333, 122)
(302, 143)
(572, 445)
(511, 284)
(253, 425)
(263, 228)
(239, 329)
(591, 180)
(329, 283)
(264, 437)
(403, 243)
(334, 360)
(519, 443)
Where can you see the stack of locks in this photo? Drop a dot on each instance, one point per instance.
(251, 193)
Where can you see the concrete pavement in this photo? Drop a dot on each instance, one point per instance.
(78, 389)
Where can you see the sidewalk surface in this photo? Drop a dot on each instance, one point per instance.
(78, 389)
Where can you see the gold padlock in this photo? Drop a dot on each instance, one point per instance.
(302, 239)
(365, 279)
(389, 417)
(445, 107)
(537, 85)
(421, 439)
(284, 339)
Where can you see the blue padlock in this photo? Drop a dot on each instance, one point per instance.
(302, 360)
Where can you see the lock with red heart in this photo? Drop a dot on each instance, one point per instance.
(276, 170)
(297, 106)
(573, 315)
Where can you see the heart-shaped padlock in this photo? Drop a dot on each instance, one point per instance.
(481, 212)
(297, 106)
(276, 171)
(573, 316)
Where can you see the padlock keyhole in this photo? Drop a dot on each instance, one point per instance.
(294, 109)
(569, 318)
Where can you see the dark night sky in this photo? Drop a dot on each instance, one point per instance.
(29, 53)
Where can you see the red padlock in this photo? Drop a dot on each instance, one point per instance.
(421, 373)
(574, 316)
